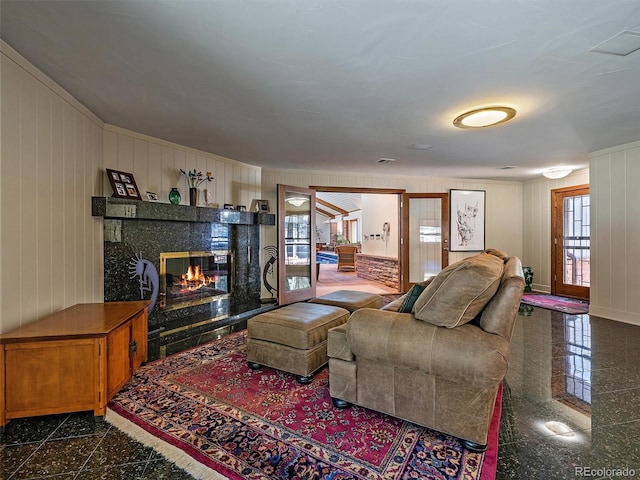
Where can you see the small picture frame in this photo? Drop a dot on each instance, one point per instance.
(152, 196)
(123, 184)
(241, 208)
(467, 220)
(262, 206)
(228, 206)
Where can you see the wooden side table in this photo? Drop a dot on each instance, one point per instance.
(71, 361)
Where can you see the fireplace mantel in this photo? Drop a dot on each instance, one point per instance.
(112, 207)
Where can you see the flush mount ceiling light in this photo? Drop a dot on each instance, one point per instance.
(484, 117)
(556, 173)
(297, 201)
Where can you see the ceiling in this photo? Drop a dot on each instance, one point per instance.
(338, 84)
(334, 204)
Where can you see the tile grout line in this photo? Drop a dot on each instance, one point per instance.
(92, 452)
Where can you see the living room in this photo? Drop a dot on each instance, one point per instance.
(55, 151)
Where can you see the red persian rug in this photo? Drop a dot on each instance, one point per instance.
(208, 412)
(553, 302)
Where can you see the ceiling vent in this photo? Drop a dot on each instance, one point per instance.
(386, 161)
(621, 44)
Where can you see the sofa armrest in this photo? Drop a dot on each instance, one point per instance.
(465, 354)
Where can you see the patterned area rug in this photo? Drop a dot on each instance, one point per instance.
(553, 302)
(207, 411)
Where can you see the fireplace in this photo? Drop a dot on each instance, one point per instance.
(194, 278)
(163, 242)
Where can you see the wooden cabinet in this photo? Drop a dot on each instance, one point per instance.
(73, 360)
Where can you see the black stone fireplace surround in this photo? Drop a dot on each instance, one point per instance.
(136, 232)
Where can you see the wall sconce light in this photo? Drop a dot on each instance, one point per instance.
(556, 173)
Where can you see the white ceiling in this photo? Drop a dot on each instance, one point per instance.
(342, 201)
(338, 84)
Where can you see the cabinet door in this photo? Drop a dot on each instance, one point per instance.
(118, 360)
(50, 377)
(139, 336)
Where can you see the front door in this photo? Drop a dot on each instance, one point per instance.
(570, 241)
(296, 244)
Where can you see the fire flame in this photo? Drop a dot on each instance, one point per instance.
(194, 279)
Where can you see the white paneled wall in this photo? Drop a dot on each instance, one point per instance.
(50, 159)
(615, 233)
(504, 222)
(537, 224)
(156, 166)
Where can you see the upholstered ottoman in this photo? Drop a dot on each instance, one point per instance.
(293, 338)
(352, 300)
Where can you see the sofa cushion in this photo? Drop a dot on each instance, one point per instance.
(460, 291)
(410, 298)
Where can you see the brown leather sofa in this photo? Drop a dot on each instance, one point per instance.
(440, 363)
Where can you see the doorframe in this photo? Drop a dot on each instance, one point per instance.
(557, 243)
(389, 191)
(286, 297)
(404, 239)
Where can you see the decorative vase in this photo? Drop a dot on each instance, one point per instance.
(174, 196)
(193, 196)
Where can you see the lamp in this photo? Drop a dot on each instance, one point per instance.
(484, 117)
(556, 173)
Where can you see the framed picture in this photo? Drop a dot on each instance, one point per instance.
(241, 208)
(228, 206)
(467, 220)
(124, 185)
(152, 196)
(262, 206)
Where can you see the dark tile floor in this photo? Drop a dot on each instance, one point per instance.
(575, 369)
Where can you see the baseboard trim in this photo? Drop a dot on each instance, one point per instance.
(612, 314)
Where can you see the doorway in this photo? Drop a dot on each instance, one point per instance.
(571, 242)
(341, 224)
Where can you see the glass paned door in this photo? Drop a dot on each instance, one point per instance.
(296, 244)
(571, 247)
(425, 236)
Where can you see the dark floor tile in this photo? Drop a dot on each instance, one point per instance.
(57, 457)
(27, 430)
(11, 457)
(162, 469)
(117, 448)
(612, 407)
(128, 471)
(81, 424)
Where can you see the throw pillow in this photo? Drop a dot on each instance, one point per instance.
(460, 291)
(410, 298)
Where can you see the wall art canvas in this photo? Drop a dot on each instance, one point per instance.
(467, 220)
